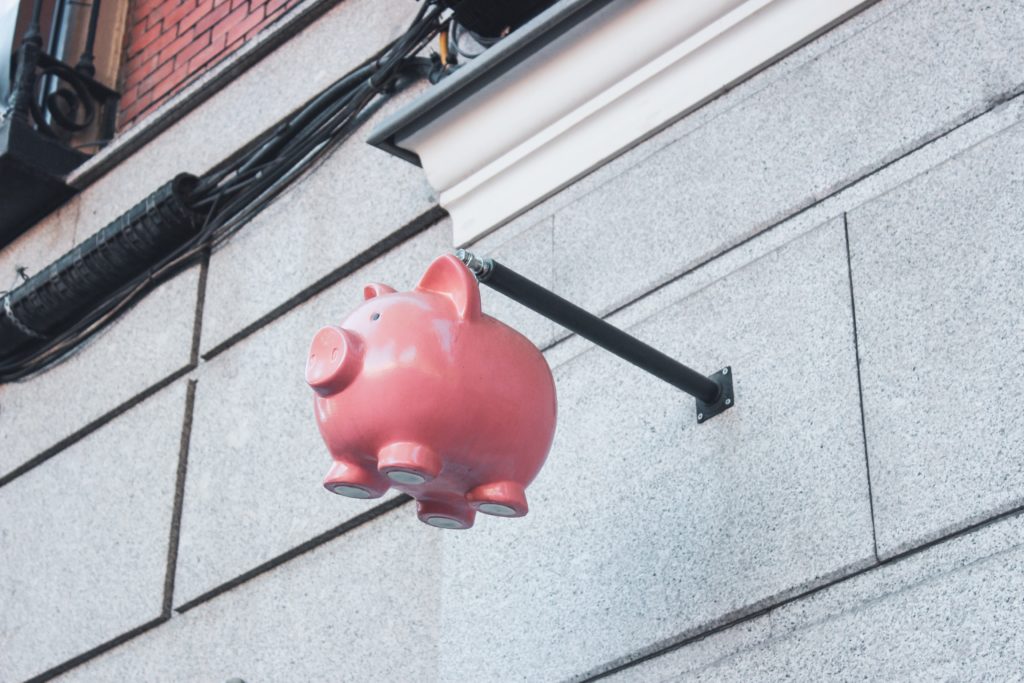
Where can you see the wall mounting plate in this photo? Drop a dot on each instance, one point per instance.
(723, 378)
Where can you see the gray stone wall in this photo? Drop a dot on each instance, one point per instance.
(845, 228)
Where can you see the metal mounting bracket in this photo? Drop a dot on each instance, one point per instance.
(717, 388)
(726, 400)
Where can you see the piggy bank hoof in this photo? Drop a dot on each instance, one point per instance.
(445, 515)
(408, 463)
(353, 480)
(335, 360)
(502, 499)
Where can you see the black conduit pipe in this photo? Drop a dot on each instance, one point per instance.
(64, 291)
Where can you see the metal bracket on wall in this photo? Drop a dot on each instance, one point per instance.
(714, 394)
(726, 399)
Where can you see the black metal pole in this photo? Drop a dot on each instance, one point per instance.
(589, 326)
(85, 62)
(28, 58)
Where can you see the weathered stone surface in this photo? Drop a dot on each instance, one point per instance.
(938, 274)
(697, 655)
(645, 525)
(257, 460)
(360, 608)
(950, 612)
(925, 68)
(145, 346)
(645, 528)
(893, 175)
(961, 627)
(84, 539)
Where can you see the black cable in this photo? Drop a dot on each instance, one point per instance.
(226, 198)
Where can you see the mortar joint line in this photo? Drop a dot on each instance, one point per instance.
(860, 385)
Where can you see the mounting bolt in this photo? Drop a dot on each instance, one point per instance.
(480, 267)
(725, 400)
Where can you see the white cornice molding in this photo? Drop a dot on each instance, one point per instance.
(590, 93)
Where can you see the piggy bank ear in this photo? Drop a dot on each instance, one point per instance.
(376, 289)
(447, 276)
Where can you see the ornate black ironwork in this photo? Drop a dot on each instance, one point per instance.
(57, 99)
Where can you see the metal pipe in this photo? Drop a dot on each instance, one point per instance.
(28, 58)
(85, 63)
(589, 326)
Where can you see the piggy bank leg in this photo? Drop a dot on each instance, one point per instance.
(445, 515)
(408, 463)
(501, 498)
(350, 477)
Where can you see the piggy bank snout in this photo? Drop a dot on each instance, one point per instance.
(335, 360)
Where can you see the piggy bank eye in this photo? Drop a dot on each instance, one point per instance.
(374, 316)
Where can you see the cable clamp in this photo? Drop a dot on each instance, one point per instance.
(22, 327)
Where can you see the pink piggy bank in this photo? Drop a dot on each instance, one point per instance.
(423, 392)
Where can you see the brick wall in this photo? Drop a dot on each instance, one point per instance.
(171, 42)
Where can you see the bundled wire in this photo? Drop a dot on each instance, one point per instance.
(235, 193)
(213, 207)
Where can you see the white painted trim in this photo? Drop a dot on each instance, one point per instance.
(629, 69)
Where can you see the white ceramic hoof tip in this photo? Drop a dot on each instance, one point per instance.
(351, 491)
(444, 522)
(496, 509)
(405, 477)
